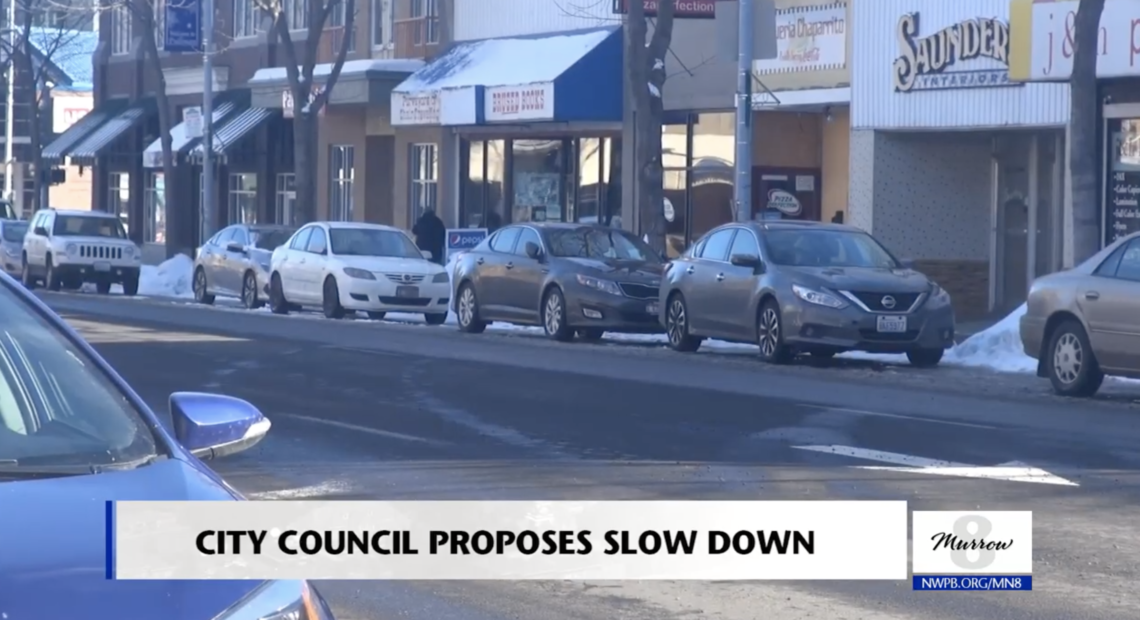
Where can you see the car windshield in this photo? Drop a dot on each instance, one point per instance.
(56, 405)
(599, 243)
(88, 226)
(372, 242)
(827, 248)
(14, 231)
(271, 238)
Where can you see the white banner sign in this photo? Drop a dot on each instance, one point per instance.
(192, 119)
(416, 108)
(532, 102)
(808, 39)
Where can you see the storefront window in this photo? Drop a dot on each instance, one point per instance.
(243, 198)
(286, 198)
(612, 152)
(674, 146)
(342, 174)
(711, 172)
(474, 187)
(119, 196)
(676, 197)
(537, 177)
(495, 196)
(1122, 212)
(154, 206)
(425, 178)
(591, 186)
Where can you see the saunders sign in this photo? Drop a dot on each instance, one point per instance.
(935, 62)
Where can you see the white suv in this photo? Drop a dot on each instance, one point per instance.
(65, 249)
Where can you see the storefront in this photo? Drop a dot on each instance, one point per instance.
(953, 164)
(486, 140)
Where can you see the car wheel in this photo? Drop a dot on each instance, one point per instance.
(26, 276)
(330, 302)
(131, 286)
(467, 311)
(249, 297)
(103, 287)
(377, 316)
(1073, 368)
(590, 334)
(277, 303)
(677, 326)
(554, 316)
(201, 290)
(435, 318)
(770, 335)
(924, 358)
(51, 280)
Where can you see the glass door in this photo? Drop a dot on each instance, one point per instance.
(537, 173)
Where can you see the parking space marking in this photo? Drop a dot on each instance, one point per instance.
(365, 429)
(880, 414)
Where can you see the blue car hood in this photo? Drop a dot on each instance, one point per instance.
(53, 548)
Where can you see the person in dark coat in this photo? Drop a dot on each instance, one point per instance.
(430, 234)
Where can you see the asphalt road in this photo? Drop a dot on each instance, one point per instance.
(364, 410)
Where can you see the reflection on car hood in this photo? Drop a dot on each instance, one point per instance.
(388, 264)
(613, 268)
(53, 561)
(863, 279)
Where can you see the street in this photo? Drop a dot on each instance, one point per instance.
(365, 410)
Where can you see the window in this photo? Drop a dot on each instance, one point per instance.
(599, 244)
(286, 198)
(425, 178)
(301, 239)
(298, 12)
(1129, 268)
(239, 236)
(827, 248)
(119, 196)
(222, 238)
(247, 19)
(341, 177)
(154, 208)
(372, 242)
(428, 11)
(526, 236)
(88, 226)
(243, 198)
(744, 244)
(505, 241)
(716, 248)
(318, 244)
(120, 29)
(381, 23)
(336, 20)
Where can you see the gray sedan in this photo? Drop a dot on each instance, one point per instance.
(572, 279)
(235, 262)
(801, 287)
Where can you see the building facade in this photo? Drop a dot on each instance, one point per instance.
(952, 164)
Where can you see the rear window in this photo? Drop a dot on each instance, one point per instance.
(14, 231)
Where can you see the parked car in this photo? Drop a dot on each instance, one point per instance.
(572, 279)
(67, 248)
(12, 234)
(348, 267)
(1084, 323)
(803, 287)
(74, 435)
(235, 262)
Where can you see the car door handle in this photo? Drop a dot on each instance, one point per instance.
(719, 277)
(690, 270)
(479, 262)
(1093, 295)
(510, 265)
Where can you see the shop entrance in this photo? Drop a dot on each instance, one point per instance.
(786, 193)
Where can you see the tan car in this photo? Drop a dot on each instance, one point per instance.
(1084, 323)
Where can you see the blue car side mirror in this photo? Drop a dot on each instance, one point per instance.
(212, 425)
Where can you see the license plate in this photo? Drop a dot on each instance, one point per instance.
(102, 266)
(892, 324)
(651, 308)
(407, 291)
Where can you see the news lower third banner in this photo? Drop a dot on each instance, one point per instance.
(675, 540)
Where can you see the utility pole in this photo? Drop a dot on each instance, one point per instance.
(742, 189)
(209, 213)
(10, 114)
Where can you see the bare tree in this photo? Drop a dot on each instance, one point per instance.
(48, 35)
(300, 65)
(645, 63)
(1083, 102)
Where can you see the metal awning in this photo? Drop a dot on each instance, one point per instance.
(58, 149)
(102, 138)
(180, 137)
(235, 130)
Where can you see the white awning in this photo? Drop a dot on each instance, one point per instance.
(180, 137)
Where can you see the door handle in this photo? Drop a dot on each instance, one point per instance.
(1093, 295)
(510, 265)
(479, 262)
(690, 270)
(719, 277)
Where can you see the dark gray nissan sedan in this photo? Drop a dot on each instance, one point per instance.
(803, 287)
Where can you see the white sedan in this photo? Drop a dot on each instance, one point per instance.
(347, 267)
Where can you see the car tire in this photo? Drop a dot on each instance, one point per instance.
(677, 326)
(330, 300)
(1071, 363)
(435, 318)
(925, 358)
(377, 316)
(26, 276)
(277, 302)
(201, 288)
(467, 310)
(590, 334)
(131, 286)
(770, 334)
(554, 316)
(52, 281)
(249, 297)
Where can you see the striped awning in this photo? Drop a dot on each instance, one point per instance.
(234, 130)
(58, 149)
(105, 136)
(180, 138)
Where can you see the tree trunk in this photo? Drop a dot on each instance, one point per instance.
(1084, 103)
(180, 229)
(305, 157)
(35, 122)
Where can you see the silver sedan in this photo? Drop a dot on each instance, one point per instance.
(235, 263)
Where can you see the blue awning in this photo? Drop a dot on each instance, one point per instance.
(563, 76)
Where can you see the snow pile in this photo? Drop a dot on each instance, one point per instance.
(997, 348)
(172, 278)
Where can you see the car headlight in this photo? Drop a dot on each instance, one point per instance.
(939, 294)
(72, 249)
(359, 274)
(279, 600)
(818, 298)
(598, 284)
(441, 278)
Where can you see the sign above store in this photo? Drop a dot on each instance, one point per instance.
(415, 108)
(809, 38)
(1043, 45)
(531, 102)
(682, 9)
(934, 62)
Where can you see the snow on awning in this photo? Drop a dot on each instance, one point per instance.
(181, 138)
(562, 76)
(351, 68)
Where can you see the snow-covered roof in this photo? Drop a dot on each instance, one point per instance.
(71, 51)
(507, 61)
(351, 67)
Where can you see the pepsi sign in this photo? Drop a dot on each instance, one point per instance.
(461, 239)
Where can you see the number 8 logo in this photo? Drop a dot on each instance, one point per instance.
(961, 557)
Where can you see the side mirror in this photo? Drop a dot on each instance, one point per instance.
(748, 260)
(234, 246)
(40, 230)
(533, 251)
(907, 263)
(426, 254)
(212, 425)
